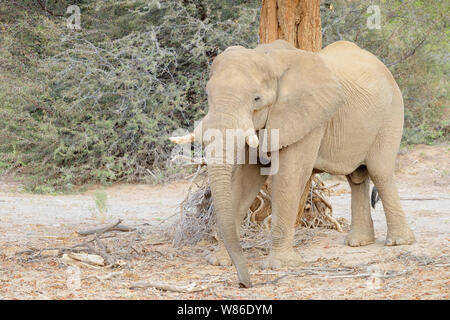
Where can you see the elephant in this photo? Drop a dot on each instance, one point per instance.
(338, 111)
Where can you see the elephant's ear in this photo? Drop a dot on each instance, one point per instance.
(308, 95)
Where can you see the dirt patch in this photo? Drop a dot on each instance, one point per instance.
(424, 166)
(331, 270)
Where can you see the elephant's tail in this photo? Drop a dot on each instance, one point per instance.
(374, 198)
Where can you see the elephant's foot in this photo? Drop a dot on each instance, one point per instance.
(358, 237)
(219, 257)
(280, 259)
(399, 236)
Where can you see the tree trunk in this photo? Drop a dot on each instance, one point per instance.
(298, 22)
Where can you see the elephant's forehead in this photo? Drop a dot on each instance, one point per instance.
(236, 57)
(230, 79)
(247, 61)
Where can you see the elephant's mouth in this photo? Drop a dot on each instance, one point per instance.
(260, 118)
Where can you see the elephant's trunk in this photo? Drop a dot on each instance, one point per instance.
(220, 167)
(220, 183)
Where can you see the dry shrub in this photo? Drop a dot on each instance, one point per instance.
(197, 221)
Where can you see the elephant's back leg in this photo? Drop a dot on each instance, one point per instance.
(361, 231)
(380, 163)
(380, 160)
(246, 182)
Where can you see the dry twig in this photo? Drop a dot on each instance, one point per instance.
(168, 287)
(197, 220)
(105, 277)
(110, 227)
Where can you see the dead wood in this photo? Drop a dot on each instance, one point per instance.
(168, 287)
(94, 252)
(103, 252)
(105, 277)
(110, 227)
(331, 273)
(84, 257)
(197, 220)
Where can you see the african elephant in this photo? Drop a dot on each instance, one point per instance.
(338, 111)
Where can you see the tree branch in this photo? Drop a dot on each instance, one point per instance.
(410, 54)
(44, 7)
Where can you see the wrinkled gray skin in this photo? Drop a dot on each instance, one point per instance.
(338, 111)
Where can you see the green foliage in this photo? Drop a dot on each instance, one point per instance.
(413, 41)
(97, 105)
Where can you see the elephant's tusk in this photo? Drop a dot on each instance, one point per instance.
(183, 139)
(252, 140)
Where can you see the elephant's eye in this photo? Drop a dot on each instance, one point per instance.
(257, 99)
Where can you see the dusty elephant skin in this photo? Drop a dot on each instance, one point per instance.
(338, 111)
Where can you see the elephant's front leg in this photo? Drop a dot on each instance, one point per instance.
(296, 165)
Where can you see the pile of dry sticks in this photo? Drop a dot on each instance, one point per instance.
(197, 221)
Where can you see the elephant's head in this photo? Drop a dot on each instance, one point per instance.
(274, 86)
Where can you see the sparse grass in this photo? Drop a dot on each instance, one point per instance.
(100, 210)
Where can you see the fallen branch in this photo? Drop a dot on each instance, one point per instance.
(366, 275)
(274, 281)
(336, 224)
(324, 273)
(101, 230)
(123, 228)
(418, 199)
(105, 277)
(442, 265)
(167, 287)
(92, 259)
(103, 252)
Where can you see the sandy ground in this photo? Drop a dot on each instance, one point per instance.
(30, 223)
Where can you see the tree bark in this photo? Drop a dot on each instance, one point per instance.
(296, 21)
